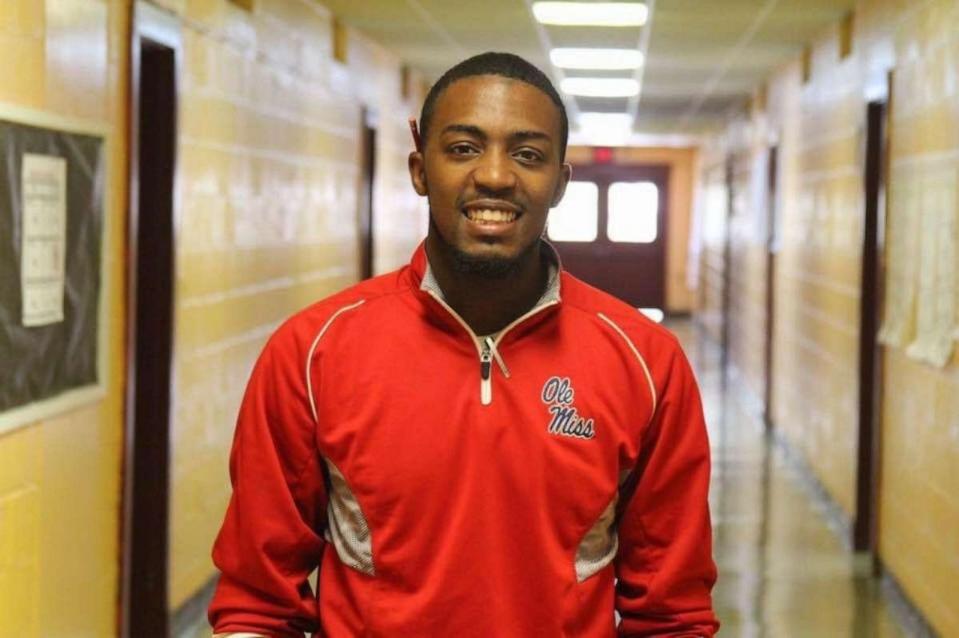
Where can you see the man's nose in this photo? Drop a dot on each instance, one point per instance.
(495, 172)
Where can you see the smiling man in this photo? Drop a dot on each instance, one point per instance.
(478, 444)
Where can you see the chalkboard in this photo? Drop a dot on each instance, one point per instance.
(51, 227)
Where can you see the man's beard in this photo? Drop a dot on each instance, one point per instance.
(487, 267)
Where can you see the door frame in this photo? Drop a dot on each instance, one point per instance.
(367, 191)
(865, 524)
(726, 298)
(772, 247)
(148, 24)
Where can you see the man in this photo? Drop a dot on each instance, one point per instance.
(477, 444)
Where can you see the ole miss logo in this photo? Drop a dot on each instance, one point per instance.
(564, 419)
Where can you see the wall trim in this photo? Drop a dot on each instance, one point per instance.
(836, 517)
(909, 616)
(184, 619)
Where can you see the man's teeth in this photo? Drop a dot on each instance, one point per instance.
(493, 216)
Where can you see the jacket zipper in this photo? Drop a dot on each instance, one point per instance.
(486, 374)
(486, 348)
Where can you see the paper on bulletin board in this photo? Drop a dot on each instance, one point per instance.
(43, 256)
(936, 285)
(902, 245)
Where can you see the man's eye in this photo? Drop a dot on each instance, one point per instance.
(527, 155)
(462, 149)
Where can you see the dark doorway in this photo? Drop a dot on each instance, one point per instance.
(150, 335)
(771, 248)
(624, 251)
(727, 269)
(367, 177)
(870, 361)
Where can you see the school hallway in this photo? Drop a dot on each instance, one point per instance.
(775, 179)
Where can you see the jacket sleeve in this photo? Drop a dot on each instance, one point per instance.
(271, 539)
(665, 568)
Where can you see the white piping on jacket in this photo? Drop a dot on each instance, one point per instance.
(642, 361)
(316, 341)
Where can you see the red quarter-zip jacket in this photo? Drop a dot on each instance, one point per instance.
(383, 441)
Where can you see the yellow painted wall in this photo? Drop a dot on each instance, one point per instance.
(747, 269)
(818, 269)
(267, 196)
(819, 125)
(712, 200)
(60, 477)
(919, 507)
(681, 162)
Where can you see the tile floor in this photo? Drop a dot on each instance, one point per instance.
(783, 572)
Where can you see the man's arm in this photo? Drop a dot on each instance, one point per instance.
(665, 568)
(269, 542)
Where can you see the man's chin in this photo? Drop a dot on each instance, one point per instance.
(484, 264)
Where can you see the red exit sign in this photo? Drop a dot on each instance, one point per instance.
(602, 155)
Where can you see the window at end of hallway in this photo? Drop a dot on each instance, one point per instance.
(575, 219)
(633, 212)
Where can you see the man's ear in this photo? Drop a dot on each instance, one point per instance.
(565, 174)
(417, 166)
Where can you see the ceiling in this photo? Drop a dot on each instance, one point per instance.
(704, 58)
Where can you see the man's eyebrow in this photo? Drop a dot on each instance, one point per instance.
(466, 128)
(530, 135)
(477, 132)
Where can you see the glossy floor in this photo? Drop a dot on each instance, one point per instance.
(783, 572)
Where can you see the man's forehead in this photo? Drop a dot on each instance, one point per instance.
(500, 102)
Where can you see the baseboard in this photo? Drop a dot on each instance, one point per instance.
(836, 517)
(187, 616)
(912, 620)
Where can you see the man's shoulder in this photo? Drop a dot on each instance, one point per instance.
(304, 326)
(616, 314)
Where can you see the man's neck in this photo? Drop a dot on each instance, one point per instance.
(488, 304)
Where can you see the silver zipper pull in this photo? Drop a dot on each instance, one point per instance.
(486, 382)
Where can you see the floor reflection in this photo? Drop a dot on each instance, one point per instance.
(782, 570)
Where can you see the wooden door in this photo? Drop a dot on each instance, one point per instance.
(611, 230)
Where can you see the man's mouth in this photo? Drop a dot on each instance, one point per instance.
(489, 212)
(490, 215)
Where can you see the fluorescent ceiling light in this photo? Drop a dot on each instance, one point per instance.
(600, 87)
(605, 120)
(612, 59)
(605, 129)
(593, 14)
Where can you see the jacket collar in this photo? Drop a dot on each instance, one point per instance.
(423, 273)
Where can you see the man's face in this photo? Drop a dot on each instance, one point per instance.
(491, 170)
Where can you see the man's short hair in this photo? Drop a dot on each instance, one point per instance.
(505, 65)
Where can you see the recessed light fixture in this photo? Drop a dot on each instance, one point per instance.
(600, 87)
(592, 14)
(611, 59)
